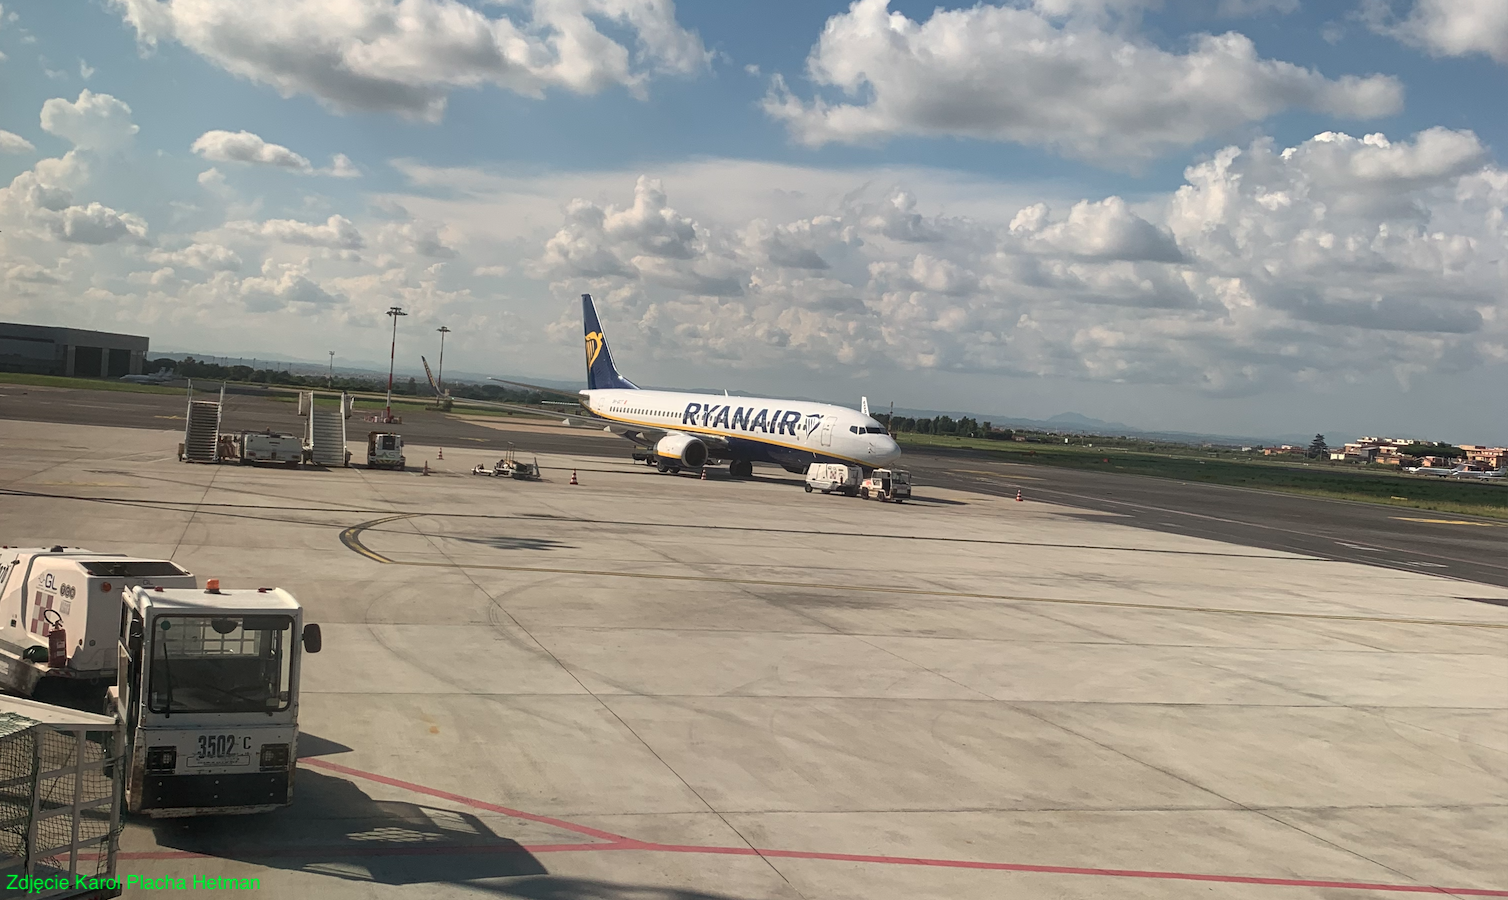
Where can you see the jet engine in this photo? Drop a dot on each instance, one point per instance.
(691, 452)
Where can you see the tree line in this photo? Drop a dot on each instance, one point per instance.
(189, 367)
(962, 427)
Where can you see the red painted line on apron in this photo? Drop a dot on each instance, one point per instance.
(616, 842)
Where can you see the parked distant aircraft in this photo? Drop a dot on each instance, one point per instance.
(161, 376)
(689, 430)
(1457, 472)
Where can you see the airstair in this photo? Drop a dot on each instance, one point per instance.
(201, 433)
(325, 435)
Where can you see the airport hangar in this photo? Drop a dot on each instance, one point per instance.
(49, 350)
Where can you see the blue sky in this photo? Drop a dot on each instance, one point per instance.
(1165, 213)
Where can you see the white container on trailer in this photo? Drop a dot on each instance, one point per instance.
(68, 597)
(208, 691)
(271, 446)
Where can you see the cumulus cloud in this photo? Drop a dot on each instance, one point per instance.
(336, 233)
(245, 147)
(1006, 73)
(250, 149)
(405, 56)
(1105, 230)
(14, 143)
(96, 122)
(1340, 257)
(1446, 27)
(342, 167)
(42, 197)
(282, 286)
(205, 256)
(94, 224)
(416, 238)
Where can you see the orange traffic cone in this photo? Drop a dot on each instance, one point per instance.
(704, 473)
(442, 453)
(1018, 495)
(573, 476)
(426, 467)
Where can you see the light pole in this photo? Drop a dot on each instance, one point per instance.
(395, 312)
(332, 368)
(440, 386)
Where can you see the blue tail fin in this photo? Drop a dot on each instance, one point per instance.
(600, 372)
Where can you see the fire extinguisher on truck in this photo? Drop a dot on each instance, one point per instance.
(57, 639)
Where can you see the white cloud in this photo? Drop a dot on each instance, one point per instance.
(245, 147)
(1100, 231)
(94, 224)
(14, 143)
(283, 286)
(336, 233)
(490, 271)
(32, 273)
(1446, 27)
(86, 71)
(1014, 74)
(1339, 258)
(416, 238)
(342, 167)
(42, 197)
(405, 56)
(205, 256)
(93, 122)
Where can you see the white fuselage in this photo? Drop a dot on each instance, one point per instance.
(790, 433)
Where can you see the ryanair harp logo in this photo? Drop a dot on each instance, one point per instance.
(593, 348)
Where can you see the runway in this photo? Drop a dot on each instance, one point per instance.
(1467, 548)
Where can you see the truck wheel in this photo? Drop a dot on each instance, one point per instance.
(897, 499)
(809, 489)
(864, 492)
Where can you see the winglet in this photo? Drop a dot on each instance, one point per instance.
(600, 372)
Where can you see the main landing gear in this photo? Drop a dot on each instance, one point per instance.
(741, 468)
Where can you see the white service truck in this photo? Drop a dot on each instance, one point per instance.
(385, 450)
(207, 687)
(59, 617)
(833, 478)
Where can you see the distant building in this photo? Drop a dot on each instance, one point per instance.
(1487, 457)
(46, 350)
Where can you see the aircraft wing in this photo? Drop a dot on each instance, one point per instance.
(574, 395)
(639, 434)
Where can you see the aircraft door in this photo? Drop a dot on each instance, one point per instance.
(827, 433)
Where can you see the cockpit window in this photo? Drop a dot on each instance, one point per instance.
(875, 429)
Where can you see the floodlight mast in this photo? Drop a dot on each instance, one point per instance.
(440, 386)
(394, 312)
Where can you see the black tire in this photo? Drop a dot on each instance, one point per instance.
(864, 492)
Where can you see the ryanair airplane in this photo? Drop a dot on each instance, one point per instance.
(687, 430)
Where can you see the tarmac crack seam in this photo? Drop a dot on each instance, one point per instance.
(194, 512)
(608, 841)
(351, 538)
(748, 845)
